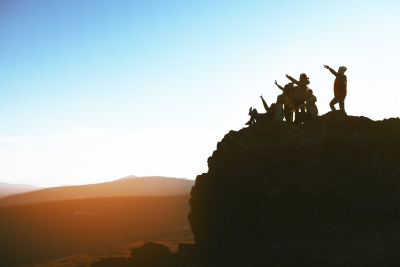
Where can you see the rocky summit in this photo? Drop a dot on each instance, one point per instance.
(325, 193)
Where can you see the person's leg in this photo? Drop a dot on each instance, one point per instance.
(297, 115)
(253, 116)
(334, 101)
(302, 110)
(341, 103)
(288, 113)
(251, 121)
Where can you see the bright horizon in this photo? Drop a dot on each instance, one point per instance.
(96, 91)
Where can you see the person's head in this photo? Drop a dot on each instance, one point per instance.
(280, 99)
(273, 105)
(304, 78)
(342, 69)
(288, 86)
(309, 93)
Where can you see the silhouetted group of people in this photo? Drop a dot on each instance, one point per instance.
(300, 99)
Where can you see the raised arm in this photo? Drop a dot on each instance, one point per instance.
(293, 80)
(330, 69)
(264, 103)
(280, 87)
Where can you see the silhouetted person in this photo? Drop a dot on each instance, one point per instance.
(312, 109)
(273, 113)
(289, 94)
(300, 94)
(279, 112)
(339, 87)
(255, 116)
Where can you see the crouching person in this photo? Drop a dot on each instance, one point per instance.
(311, 107)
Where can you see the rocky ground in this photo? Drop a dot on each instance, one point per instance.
(282, 194)
(170, 238)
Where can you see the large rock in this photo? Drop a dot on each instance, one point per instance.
(149, 254)
(268, 175)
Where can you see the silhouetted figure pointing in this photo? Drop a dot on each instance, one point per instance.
(339, 87)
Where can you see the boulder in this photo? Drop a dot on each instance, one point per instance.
(149, 254)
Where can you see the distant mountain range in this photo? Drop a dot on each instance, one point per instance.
(7, 189)
(127, 186)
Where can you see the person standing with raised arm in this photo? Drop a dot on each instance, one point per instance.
(301, 94)
(339, 87)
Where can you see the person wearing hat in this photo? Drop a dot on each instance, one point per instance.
(339, 87)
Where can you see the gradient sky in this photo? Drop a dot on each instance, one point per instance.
(91, 91)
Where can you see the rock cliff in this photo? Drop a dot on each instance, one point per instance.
(281, 187)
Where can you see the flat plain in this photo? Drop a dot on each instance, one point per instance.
(78, 232)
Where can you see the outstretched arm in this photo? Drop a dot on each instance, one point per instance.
(264, 103)
(293, 80)
(280, 87)
(330, 69)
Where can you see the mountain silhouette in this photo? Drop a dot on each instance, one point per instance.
(127, 186)
(7, 189)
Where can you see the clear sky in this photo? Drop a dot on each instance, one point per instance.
(91, 91)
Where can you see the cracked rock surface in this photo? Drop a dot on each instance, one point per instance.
(281, 185)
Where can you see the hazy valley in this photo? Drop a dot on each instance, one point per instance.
(127, 186)
(46, 231)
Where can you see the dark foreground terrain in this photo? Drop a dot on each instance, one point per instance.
(276, 194)
(170, 238)
(40, 232)
(281, 194)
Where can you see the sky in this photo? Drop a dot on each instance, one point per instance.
(92, 91)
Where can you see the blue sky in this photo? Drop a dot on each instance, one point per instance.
(92, 91)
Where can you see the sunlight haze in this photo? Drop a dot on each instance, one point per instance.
(92, 91)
